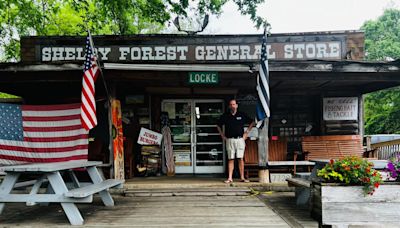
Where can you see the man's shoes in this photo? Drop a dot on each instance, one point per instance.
(245, 181)
(228, 181)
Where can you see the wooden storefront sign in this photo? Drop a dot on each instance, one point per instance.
(196, 49)
(340, 108)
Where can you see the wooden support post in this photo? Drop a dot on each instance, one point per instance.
(263, 172)
(263, 176)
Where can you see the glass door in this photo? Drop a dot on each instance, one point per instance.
(197, 146)
(180, 117)
(208, 145)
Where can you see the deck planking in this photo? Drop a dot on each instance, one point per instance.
(176, 211)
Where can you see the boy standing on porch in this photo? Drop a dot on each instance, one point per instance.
(235, 137)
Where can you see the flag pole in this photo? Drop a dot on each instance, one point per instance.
(98, 64)
(263, 142)
(109, 114)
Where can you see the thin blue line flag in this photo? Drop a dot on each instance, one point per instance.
(263, 105)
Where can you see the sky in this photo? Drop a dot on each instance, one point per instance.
(287, 16)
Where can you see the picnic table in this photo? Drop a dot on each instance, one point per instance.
(57, 190)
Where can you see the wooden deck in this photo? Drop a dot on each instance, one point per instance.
(284, 204)
(176, 211)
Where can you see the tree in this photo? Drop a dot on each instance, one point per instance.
(103, 17)
(382, 42)
(6, 95)
(382, 36)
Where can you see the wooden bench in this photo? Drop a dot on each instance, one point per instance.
(277, 151)
(292, 164)
(302, 189)
(332, 146)
(93, 188)
(277, 157)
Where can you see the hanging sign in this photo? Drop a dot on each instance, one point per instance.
(340, 108)
(209, 77)
(148, 137)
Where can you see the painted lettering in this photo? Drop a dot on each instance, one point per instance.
(199, 53)
(104, 52)
(160, 53)
(171, 53)
(288, 51)
(123, 51)
(136, 53)
(234, 52)
(46, 54)
(182, 51)
(69, 53)
(80, 54)
(58, 53)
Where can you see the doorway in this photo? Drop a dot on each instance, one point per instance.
(197, 145)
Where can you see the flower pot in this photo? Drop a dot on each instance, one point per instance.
(338, 205)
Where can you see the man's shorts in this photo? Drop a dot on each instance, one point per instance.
(235, 148)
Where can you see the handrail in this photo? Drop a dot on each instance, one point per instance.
(387, 149)
(386, 143)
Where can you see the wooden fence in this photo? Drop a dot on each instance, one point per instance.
(388, 149)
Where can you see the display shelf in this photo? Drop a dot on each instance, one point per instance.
(209, 161)
(206, 134)
(209, 143)
(151, 160)
(210, 114)
(209, 152)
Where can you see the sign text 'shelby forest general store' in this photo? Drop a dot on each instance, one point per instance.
(228, 52)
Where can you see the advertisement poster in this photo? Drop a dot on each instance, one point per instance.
(149, 137)
(118, 141)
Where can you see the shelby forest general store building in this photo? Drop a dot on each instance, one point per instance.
(316, 84)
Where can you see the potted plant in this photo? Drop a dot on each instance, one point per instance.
(349, 191)
(352, 171)
(393, 168)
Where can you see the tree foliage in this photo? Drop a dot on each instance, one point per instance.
(6, 95)
(103, 17)
(382, 42)
(383, 36)
(382, 113)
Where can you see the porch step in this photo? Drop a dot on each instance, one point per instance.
(162, 192)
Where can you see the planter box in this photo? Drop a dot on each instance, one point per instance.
(340, 206)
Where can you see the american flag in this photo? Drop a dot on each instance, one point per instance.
(263, 106)
(42, 133)
(91, 71)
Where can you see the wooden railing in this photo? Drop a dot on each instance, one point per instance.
(387, 149)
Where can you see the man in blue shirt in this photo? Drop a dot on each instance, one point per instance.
(235, 137)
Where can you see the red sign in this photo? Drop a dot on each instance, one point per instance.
(274, 138)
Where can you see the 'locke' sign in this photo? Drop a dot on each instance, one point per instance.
(203, 77)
